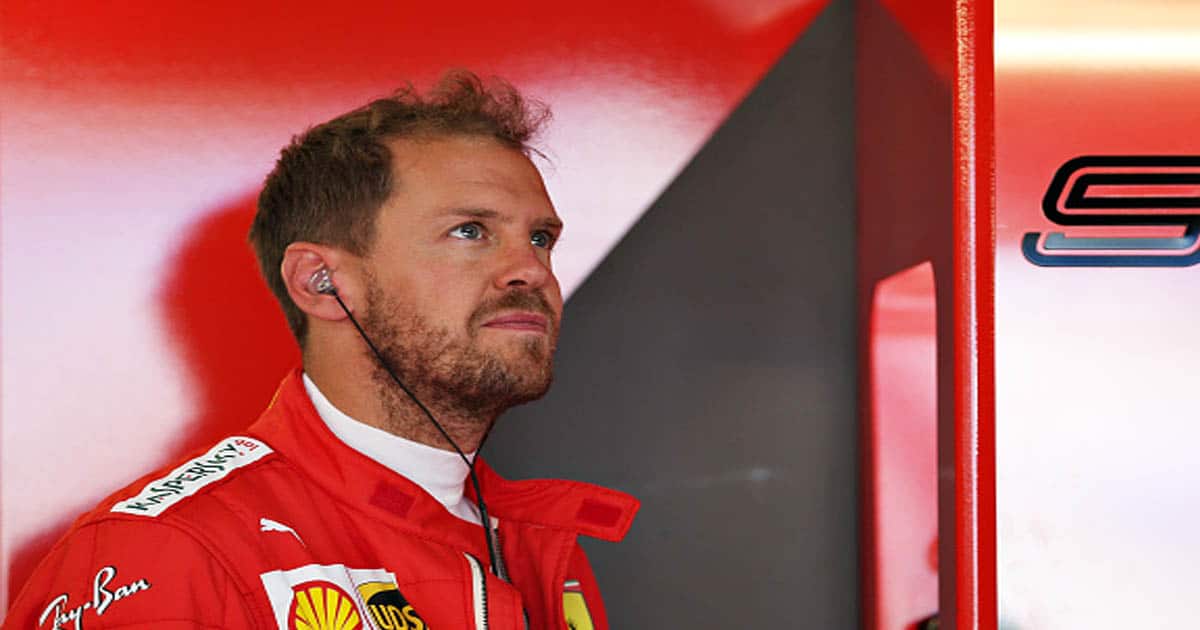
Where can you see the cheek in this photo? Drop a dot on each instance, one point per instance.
(554, 296)
(451, 296)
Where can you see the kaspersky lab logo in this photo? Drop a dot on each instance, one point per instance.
(1119, 192)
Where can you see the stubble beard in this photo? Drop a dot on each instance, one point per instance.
(451, 376)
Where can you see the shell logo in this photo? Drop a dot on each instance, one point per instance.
(322, 606)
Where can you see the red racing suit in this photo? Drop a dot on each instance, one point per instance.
(285, 526)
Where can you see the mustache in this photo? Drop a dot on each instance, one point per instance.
(516, 300)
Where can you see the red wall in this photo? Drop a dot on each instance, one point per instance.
(133, 137)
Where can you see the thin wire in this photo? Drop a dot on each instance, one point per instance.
(497, 567)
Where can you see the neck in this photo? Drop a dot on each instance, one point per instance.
(403, 417)
(365, 392)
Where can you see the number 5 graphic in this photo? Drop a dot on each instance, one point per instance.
(1117, 191)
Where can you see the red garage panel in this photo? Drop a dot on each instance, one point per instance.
(925, 197)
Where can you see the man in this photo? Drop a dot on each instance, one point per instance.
(409, 243)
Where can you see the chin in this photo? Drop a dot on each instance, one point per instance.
(530, 394)
(532, 381)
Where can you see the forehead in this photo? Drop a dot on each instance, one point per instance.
(431, 173)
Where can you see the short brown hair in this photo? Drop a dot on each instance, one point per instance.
(328, 185)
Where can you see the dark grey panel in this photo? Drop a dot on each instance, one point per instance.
(708, 367)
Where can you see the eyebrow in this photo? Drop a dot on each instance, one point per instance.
(551, 222)
(474, 213)
(484, 213)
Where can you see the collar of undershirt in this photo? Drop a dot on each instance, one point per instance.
(440, 473)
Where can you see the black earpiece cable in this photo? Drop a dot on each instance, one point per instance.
(493, 552)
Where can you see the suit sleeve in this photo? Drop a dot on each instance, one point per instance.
(118, 573)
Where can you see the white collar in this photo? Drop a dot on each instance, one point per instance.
(440, 473)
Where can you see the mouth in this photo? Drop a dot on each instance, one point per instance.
(520, 321)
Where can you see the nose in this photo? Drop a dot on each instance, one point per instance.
(524, 266)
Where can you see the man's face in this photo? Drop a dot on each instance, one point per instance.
(461, 297)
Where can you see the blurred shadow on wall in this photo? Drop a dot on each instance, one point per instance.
(225, 325)
(227, 329)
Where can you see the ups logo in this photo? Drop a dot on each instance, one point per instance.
(388, 609)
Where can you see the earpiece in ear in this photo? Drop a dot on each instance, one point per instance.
(321, 282)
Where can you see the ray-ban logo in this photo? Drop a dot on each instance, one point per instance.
(1115, 199)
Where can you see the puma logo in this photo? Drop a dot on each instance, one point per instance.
(269, 525)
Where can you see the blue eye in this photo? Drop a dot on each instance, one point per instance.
(542, 238)
(468, 231)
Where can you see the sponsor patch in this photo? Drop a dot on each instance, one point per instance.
(575, 607)
(187, 479)
(387, 607)
(334, 597)
(321, 605)
(106, 591)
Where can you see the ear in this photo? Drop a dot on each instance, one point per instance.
(302, 261)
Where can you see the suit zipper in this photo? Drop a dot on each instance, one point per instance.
(478, 593)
